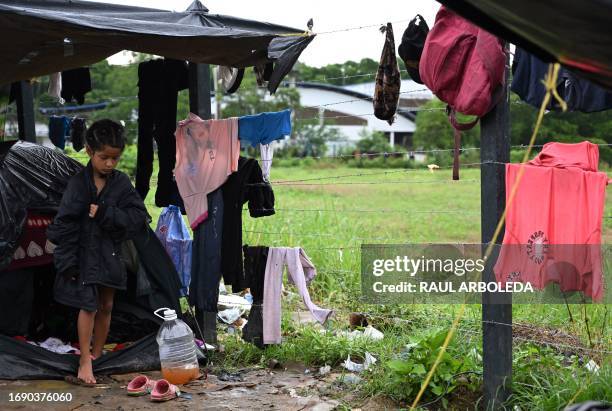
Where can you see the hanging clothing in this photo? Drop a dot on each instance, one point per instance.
(174, 235)
(59, 129)
(255, 259)
(301, 271)
(78, 129)
(264, 128)
(55, 87)
(159, 82)
(267, 152)
(528, 71)
(75, 84)
(543, 234)
(245, 185)
(207, 153)
(206, 263)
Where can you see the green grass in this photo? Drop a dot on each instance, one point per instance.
(404, 206)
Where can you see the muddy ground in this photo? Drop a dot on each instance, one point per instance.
(260, 389)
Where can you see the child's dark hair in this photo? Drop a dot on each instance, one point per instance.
(105, 132)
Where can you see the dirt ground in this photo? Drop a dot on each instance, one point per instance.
(260, 389)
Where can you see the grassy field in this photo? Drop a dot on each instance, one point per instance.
(331, 217)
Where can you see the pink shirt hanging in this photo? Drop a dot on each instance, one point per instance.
(207, 153)
(553, 225)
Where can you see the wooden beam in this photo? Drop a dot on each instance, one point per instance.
(496, 307)
(25, 111)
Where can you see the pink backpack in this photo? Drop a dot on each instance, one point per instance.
(464, 66)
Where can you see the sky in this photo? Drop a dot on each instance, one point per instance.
(328, 15)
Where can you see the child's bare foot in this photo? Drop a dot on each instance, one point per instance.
(86, 371)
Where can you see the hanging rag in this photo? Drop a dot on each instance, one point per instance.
(75, 84)
(159, 82)
(411, 47)
(174, 235)
(545, 240)
(59, 129)
(301, 271)
(245, 185)
(263, 128)
(207, 153)
(388, 81)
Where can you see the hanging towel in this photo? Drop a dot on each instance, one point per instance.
(207, 153)
(546, 240)
(388, 82)
(264, 128)
(301, 271)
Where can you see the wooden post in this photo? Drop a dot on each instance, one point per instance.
(25, 111)
(199, 90)
(496, 307)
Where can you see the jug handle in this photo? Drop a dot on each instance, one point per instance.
(159, 309)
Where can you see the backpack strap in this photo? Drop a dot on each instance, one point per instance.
(457, 129)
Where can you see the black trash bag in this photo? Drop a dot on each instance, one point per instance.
(31, 177)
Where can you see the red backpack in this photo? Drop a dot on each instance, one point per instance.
(464, 66)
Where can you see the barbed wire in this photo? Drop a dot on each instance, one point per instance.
(361, 27)
(382, 210)
(369, 99)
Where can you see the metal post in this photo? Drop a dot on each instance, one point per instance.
(25, 111)
(496, 307)
(199, 90)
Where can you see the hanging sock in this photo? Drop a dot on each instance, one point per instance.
(267, 152)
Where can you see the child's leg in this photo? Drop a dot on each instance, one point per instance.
(103, 319)
(85, 325)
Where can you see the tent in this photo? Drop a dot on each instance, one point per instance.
(33, 177)
(571, 32)
(38, 37)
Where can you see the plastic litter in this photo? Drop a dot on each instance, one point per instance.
(228, 301)
(355, 367)
(324, 370)
(230, 316)
(369, 332)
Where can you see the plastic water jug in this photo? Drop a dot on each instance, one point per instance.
(177, 350)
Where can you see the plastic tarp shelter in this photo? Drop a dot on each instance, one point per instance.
(38, 37)
(573, 33)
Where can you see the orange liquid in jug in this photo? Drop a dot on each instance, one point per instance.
(180, 375)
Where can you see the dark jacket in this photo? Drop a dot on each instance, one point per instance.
(93, 245)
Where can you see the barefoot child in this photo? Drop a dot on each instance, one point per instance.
(100, 209)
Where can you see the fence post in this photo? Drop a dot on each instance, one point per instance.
(25, 111)
(496, 307)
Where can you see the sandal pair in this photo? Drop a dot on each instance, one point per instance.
(160, 390)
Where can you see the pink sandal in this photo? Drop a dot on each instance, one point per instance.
(140, 385)
(164, 391)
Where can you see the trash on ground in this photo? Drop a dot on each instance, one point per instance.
(355, 367)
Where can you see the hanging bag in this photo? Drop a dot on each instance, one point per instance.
(463, 66)
(388, 82)
(174, 235)
(411, 47)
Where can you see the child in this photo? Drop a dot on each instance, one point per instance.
(99, 211)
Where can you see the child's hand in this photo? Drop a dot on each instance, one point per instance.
(93, 208)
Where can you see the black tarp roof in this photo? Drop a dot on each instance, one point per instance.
(39, 37)
(575, 33)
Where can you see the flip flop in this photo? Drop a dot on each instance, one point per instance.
(140, 385)
(164, 391)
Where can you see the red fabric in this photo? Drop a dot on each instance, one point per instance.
(34, 249)
(462, 64)
(553, 225)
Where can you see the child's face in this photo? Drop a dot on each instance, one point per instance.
(105, 159)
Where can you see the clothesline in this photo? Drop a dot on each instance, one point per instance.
(382, 210)
(361, 27)
(366, 99)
